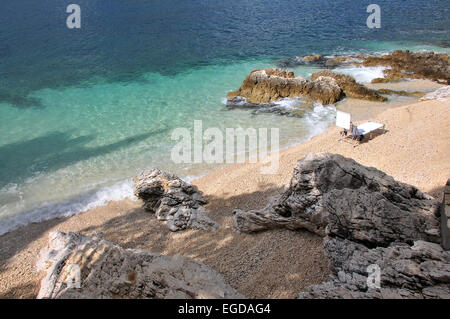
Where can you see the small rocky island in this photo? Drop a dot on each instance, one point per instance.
(270, 85)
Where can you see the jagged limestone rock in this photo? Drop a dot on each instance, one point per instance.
(418, 271)
(331, 194)
(109, 271)
(172, 200)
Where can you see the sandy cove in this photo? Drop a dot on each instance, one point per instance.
(272, 264)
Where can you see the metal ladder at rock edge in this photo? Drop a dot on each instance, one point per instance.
(445, 217)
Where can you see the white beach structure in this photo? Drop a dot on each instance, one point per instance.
(353, 133)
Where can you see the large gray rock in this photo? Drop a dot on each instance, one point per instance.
(172, 200)
(331, 194)
(418, 271)
(110, 271)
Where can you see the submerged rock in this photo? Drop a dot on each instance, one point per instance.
(107, 270)
(323, 61)
(418, 271)
(172, 200)
(334, 195)
(269, 85)
(262, 88)
(299, 110)
(350, 87)
(312, 58)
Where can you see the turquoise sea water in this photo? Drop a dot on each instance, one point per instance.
(83, 111)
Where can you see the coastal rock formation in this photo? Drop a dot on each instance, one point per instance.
(399, 64)
(370, 222)
(440, 94)
(262, 88)
(268, 85)
(349, 86)
(418, 271)
(107, 270)
(406, 64)
(172, 200)
(276, 108)
(334, 195)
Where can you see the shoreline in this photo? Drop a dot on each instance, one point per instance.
(272, 264)
(92, 198)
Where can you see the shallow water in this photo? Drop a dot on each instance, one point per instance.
(83, 111)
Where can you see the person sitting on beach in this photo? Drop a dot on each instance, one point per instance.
(355, 133)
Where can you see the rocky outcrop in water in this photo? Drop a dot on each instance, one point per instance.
(262, 88)
(350, 87)
(407, 65)
(418, 271)
(399, 64)
(269, 85)
(312, 58)
(107, 270)
(334, 195)
(274, 108)
(172, 200)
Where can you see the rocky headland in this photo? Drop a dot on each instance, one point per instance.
(399, 65)
(261, 89)
(412, 65)
(172, 200)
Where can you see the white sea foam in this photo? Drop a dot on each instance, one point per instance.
(75, 205)
(362, 74)
(289, 103)
(320, 119)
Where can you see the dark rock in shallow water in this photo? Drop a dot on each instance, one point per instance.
(322, 61)
(274, 108)
(282, 111)
(331, 194)
(107, 270)
(172, 200)
(240, 102)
